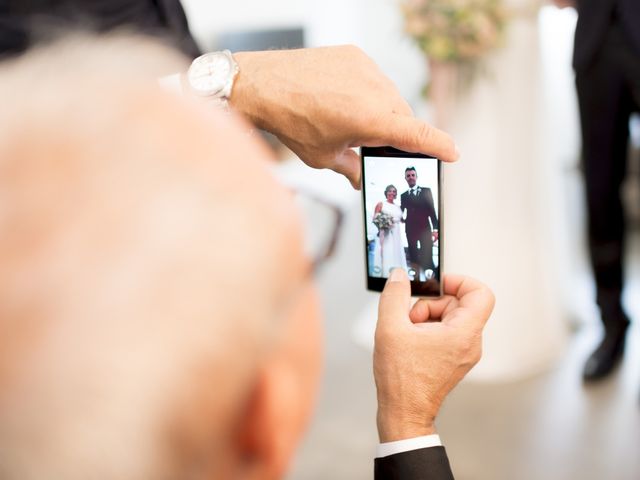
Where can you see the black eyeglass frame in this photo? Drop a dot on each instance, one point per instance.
(328, 250)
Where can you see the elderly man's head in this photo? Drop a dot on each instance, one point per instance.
(156, 321)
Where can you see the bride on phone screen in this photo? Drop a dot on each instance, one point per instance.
(389, 251)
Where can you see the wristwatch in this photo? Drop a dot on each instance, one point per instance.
(212, 75)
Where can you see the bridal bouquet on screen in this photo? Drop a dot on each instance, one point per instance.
(383, 221)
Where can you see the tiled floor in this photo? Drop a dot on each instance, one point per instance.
(551, 427)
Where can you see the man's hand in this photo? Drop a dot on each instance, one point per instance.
(435, 235)
(321, 102)
(421, 353)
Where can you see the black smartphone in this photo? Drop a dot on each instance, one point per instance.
(402, 208)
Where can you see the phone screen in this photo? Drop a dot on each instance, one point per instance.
(402, 217)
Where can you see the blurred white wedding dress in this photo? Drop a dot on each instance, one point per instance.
(502, 213)
(499, 199)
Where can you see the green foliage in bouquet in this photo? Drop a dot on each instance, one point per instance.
(458, 31)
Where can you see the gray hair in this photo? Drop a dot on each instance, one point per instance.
(117, 288)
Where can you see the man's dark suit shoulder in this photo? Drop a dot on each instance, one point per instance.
(24, 23)
(422, 464)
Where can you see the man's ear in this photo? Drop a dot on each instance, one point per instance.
(283, 393)
(272, 422)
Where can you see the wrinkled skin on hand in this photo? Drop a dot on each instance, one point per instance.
(321, 102)
(422, 352)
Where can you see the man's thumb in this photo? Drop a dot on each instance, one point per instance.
(395, 301)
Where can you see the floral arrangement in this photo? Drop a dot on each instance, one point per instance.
(383, 221)
(458, 31)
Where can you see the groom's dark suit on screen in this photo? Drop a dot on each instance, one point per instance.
(420, 221)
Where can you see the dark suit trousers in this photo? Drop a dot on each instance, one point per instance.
(423, 256)
(608, 92)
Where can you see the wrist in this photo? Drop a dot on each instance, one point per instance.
(394, 427)
(246, 94)
(267, 94)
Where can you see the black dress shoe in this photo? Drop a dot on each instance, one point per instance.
(608, 354)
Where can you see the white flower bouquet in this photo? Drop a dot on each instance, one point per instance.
(459, 31)
(383, 221)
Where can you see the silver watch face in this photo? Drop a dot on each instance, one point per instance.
(209, 74)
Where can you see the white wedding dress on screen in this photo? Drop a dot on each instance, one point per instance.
(389, 252)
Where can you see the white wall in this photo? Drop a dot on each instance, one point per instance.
(373, 25)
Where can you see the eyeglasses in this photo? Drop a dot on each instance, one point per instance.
(322, 223)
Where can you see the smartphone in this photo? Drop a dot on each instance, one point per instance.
(402, 208)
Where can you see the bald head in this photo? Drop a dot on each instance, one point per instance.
(136, 299)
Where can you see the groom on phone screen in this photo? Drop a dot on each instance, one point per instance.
(421, 224)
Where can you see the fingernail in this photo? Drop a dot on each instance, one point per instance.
(397, 274)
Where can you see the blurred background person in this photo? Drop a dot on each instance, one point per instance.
(389, 250)
(607, 64)
(129, 350)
